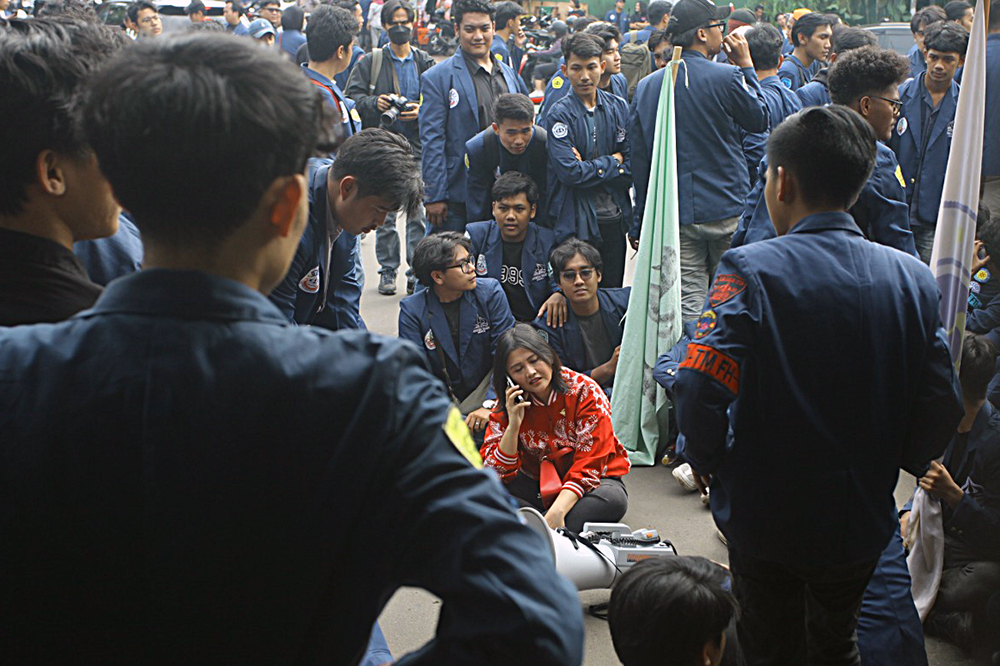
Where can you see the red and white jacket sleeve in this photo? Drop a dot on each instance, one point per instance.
(596, 444)
(506, 466)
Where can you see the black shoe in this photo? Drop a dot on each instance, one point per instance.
(955, 627)
(387, 282)
(411, 284)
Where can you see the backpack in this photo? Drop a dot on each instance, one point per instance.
(637, 62)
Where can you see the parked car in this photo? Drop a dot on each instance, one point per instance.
(895, 36)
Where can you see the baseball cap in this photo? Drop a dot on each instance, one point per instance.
(260, 27)
(742, 16)
(690, 14)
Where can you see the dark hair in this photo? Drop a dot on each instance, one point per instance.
(865, 71)
(45, 64)
(505, 11)
(384, 166)
(77, 9)
(988, 231)
(523, 336)
(562, 254)
(683, 39)
(435, 252)
(927, 16)
(208, 26)
(583, 46)
(848, 39)
(956, 9)
(581, 23)
(390, 8)
(265, 3)
(238, 7)
(686, 594)
(657, 10)
(169, 116)
(513, 106)
(765, 45)
(293, 18)
(351, 6)
(655, 38)
(844, 139)
(808, 24)
(463, 7)
(605, 32)
(133, 9)
(194, 7)
(979, 360)
(946, 37)
(329, 29)
(513, 183)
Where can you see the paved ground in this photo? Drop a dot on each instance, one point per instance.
(655, 500)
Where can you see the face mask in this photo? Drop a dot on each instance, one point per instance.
(399, 34)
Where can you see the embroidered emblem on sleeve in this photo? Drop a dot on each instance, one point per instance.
(460, 437)
(710, 361)
(559, 130)
(706, 324)
(725, 287)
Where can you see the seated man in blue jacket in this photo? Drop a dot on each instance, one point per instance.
(816, 92)
(921, 138)
(241, 445)
(512, 249)
(456, 321)
(967, 482)
(750, 392)
(713, 103)
(512, 143)
(589, 158)
(590, 340)
(864, 80)
(374, 174)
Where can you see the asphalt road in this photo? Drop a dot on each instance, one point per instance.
(655, 500)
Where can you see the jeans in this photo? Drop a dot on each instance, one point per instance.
(968, 579)
(387, 241)
(923, 238)
(606, 503)
(377, 652)
(794, 614)
(612, 249)
(702, 245)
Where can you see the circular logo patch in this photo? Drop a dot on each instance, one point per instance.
(557, 83)
(901, 126)
(982, 275)
(452, 98)
(559, 130)
(706, 324)
(429, 341)
(481, 265)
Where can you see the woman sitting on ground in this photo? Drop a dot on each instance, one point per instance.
(551, 439)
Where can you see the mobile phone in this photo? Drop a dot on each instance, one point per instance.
(510, 382)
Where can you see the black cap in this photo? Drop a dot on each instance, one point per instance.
(690, 14)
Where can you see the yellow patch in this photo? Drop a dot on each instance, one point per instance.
(557, 83)
(498, 57)
(355, 115)
(467, 160)
(899, 176)
(459, 435)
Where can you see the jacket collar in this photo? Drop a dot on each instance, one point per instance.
(185, 295)
(826, 222)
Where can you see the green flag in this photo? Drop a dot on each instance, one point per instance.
(639, 406)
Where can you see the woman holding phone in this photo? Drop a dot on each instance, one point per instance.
(551, 439)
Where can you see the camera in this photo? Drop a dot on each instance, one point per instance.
(398, 104)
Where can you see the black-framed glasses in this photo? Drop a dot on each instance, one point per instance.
(721, 25)
(897, 104)
(585, 273)
(467, 265)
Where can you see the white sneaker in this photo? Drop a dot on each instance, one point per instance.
(685, 476)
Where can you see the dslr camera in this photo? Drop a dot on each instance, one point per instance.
(398, 104)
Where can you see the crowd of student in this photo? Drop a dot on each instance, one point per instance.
(239, 176)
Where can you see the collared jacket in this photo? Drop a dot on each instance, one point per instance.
(448, 118)
(341, 79)
(880, 212)
(781, 102)
(108, 258)
(314, 292)
(816, 92)
(508, 52)
(189, 464)
(487, 250)
(922, 148)
(559, 86)
(713, 102)
(889, 399)
(486, 160)
(793, 73)
(991, 126)
(917, 63)
(567, 340)
(572, 182)
(334, 96)
(484, 315)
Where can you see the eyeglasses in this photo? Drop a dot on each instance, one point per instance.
(897, 105)
(721, 25)
(570, 276)
(467, 265)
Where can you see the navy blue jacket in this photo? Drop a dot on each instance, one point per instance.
(449, 116)
(712, 103)
(991, 126)
(781, 102)
(889, 399)
(341, 79)
(816, 92)
(487, 250)
(917, 63)
(559, 86)
(189, 462)
(108, 258)
(572, 183)
(484, 316)
(619, 20)
(334, 96)
(486, 160)
(300, 296)
(568, 340)
(923, 167)
(509, 54)
(793, 73)
(880, 212)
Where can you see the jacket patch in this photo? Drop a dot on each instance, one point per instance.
(899, 176)
(706, 324)
(557, 83)
(460, 437)
(710, 361)
(540, 273)
(481, 265)
(452, 98)
(901, 126)
(559, 130)
(310, 282)
(725, 288)
(482, 325)
(429, 340)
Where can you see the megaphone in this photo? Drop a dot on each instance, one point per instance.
(598, 556)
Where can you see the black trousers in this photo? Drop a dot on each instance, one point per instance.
(605, 504)
(798, 615)
(612, 249)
